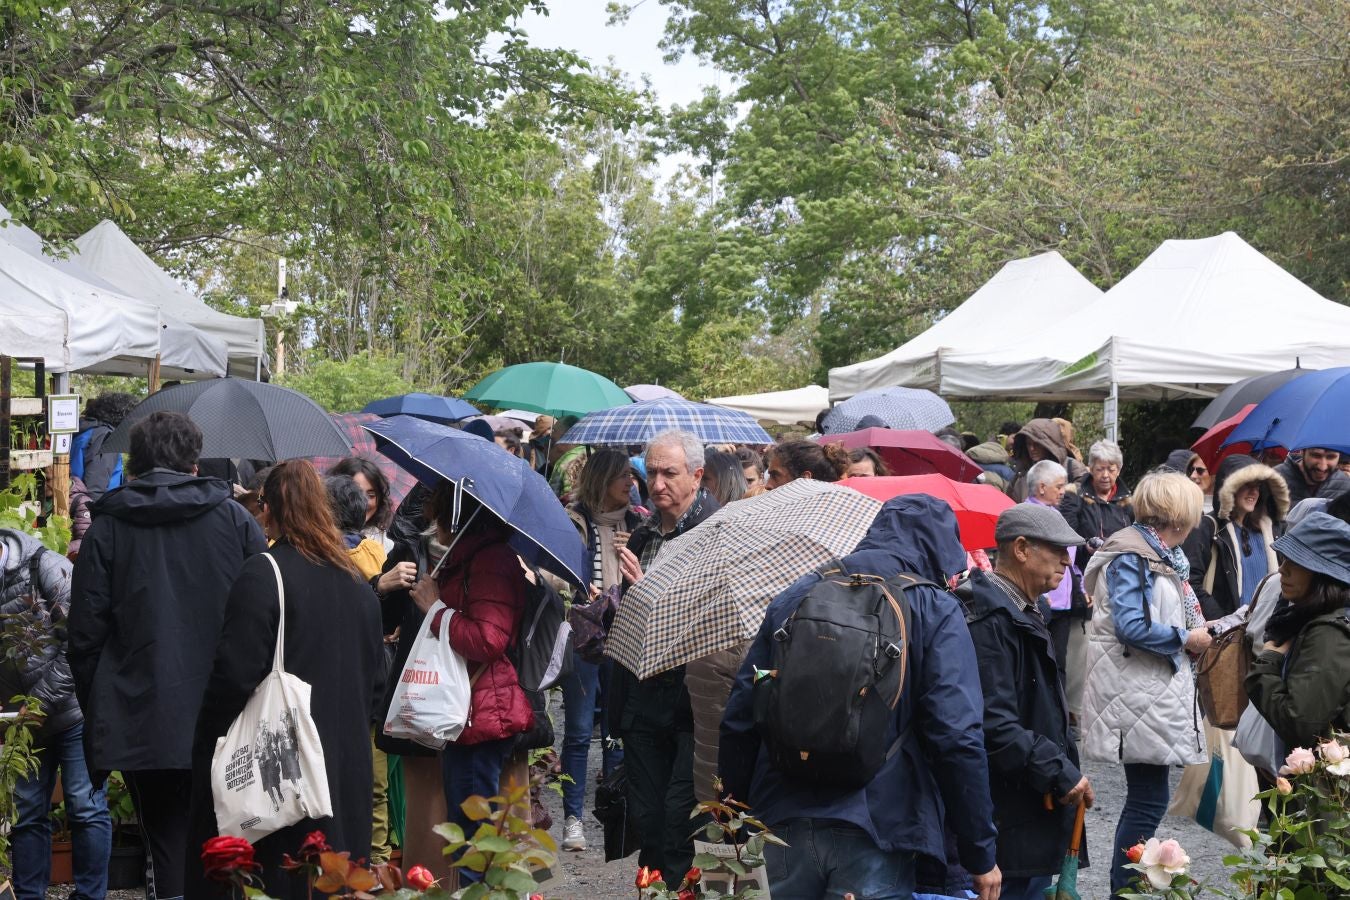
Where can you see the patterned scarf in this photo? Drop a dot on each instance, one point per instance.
(1176, 558)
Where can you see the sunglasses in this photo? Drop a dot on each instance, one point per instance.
(1197, 470)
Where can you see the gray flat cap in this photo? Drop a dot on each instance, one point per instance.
(1035, 523)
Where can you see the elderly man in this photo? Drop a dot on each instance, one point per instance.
(1026, 718)
(653, 716)
(1315, 473)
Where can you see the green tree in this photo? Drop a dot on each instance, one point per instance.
(347, 385)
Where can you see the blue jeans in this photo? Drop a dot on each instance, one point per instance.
(1025, 888)
(581, 700)
(471, 770)
(830, 859)
(1147, 790)
(86, 811)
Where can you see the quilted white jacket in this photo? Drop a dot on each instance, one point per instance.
(1138, 707)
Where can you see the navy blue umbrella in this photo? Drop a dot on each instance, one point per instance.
(423, 406)
(505, 484)
(1313, 410)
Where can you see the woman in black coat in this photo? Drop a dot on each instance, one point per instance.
(333, 643)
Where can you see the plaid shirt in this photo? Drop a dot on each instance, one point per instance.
(1023, 602)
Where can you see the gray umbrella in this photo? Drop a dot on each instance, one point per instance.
(1243, 393)
(905, 409)
(243, 420)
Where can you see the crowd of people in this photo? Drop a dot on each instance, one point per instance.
(1074, 638)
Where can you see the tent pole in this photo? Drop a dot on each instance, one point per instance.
(60, 480)
(1111, 408)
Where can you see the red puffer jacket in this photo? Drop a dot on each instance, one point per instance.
(485, 586)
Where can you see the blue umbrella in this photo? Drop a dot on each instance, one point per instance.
(423, 406)
(1313, 410)
(905, 409)
(638, 423)
(505, 484)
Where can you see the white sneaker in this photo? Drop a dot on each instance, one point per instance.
(574, 838)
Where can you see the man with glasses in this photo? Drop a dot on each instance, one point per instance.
(1032, 760)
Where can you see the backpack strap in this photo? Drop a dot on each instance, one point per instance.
(1213, 567)
(34, 573)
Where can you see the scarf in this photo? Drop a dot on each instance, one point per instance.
(606, 525)
(1176, 559)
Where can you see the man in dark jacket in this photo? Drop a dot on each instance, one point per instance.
(866, 840)
(147, 603)
(653, 716)
(1314, 473)
(34, 602)
(1026, 717)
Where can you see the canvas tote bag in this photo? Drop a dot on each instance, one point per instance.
(268, 771)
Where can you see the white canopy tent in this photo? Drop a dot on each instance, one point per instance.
(1194, 317)
(1025, 298)
(130, 333)
(783, 407)
(106, 251)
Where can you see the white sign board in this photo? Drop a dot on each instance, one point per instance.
(61, 443)
(63, 413)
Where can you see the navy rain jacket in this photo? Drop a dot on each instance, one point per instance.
(941, 773)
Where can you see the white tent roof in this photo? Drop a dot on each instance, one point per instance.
(1194, 317)
(109, 253)
(130, 333)
(783, 407)
(1021, 300)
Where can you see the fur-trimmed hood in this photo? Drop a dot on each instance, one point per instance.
(1274, 488)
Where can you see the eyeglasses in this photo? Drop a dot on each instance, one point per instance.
(1197, 470)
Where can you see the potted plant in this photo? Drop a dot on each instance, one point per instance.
(126, 868)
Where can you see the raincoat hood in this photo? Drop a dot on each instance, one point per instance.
(919, 532)
(163, 495)
(1226, 469)
(1045, 433)
(990, 453)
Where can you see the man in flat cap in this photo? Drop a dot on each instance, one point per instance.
(1032, 761)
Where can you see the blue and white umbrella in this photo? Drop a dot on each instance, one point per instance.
(543, 533)
(638, 423)
(906, 409)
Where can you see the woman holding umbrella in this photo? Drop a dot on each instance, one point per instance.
(605, 517)
(482, 581)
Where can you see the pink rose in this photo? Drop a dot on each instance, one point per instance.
(1283, 786)
(1336, 756)
(1300, 762)
(1164, 860)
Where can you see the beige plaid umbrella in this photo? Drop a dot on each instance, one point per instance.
(708, 589)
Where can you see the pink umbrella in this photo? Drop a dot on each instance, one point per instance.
(911, 452)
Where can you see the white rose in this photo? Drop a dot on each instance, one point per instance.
(1164, 860)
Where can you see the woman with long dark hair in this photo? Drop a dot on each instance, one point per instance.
(379, 506)
(791, 460)
(332, 643)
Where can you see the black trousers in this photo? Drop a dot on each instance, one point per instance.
(660, 766)
(1060, 626)
(163, 799)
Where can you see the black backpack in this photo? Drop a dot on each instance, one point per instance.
(542, 653)
(839, 662)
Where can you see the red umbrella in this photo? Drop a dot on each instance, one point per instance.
(911, 452)
(976, 505)
(1210, 445)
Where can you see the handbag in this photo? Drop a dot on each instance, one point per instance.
(431, 701)
(590, 624)
(1221, 673)
(1258, 743)
(1220, 795)
(268, 769)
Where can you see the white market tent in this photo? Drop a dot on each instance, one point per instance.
(105, 330)
(1025, 298)
(1194, 317)
(106, 251)
(783, 407)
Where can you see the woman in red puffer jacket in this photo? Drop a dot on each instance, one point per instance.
(483, 582)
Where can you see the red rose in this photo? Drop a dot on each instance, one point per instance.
(692, 876)
(687, 894)
(420, 878)
(228, 859)
(1135, 853)
(647, 877)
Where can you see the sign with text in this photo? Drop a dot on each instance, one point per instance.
(63, 413)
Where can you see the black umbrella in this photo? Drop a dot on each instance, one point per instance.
(1241, 394)
(243, 420)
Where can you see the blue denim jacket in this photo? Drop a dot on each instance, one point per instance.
(1130, 583)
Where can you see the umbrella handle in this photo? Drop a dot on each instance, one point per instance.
(1077, 840)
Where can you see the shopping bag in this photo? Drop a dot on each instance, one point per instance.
(1257, 741)
(430, 704)
(268, 770)
(1220, 795)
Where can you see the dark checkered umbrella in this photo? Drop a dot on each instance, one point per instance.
(243, 420)
(708, 589)
(898, 407)
(363, 445)
(638, 423)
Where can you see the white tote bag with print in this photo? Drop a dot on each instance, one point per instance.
(430, 705)
(268, 771)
